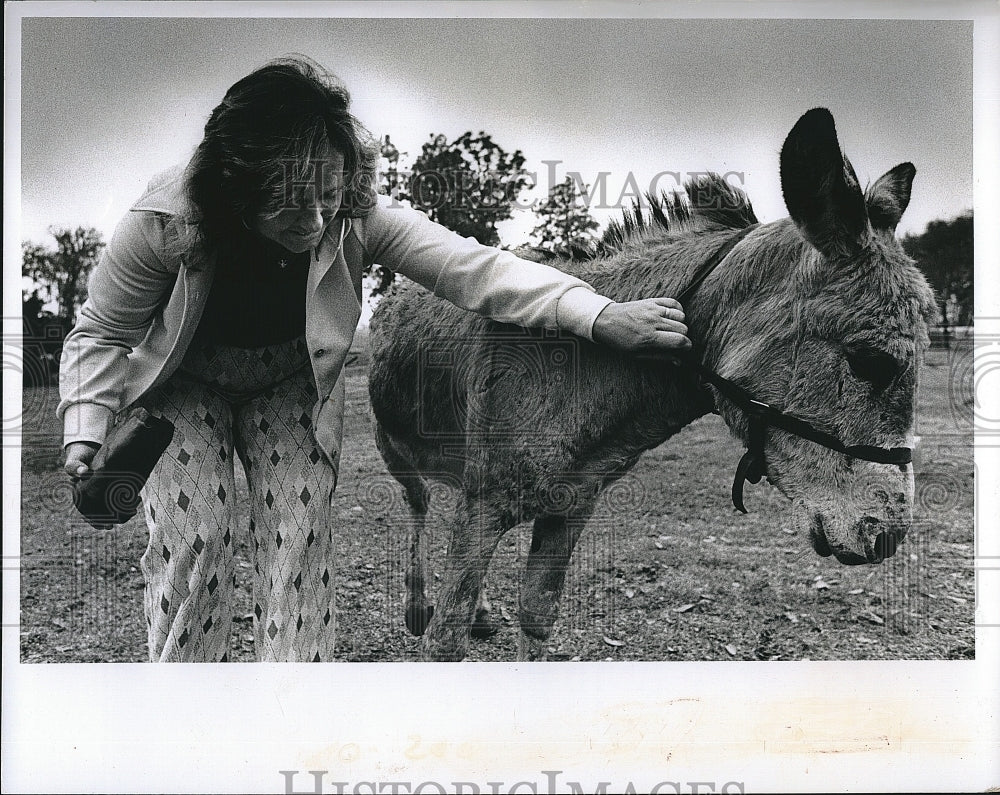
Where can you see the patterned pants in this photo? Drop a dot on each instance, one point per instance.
(257, 402)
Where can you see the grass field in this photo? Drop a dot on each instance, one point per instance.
(667, 569)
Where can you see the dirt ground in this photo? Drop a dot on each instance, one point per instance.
(667, 569)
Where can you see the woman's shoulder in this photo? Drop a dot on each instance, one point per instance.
(387, 216)
(163, 222)
(156, 229)
(165, 194)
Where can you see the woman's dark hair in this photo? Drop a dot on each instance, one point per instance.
(276, 115)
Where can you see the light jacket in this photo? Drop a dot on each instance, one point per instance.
(144, 304)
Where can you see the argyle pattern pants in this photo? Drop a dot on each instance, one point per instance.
(257, 404)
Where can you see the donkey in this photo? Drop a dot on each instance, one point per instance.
(808, 336)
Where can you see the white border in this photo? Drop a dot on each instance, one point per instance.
(787, 726)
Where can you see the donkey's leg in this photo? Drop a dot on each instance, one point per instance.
(553, 539)
(417, 494)
(418, 608)
(474, 539)
(483, 625)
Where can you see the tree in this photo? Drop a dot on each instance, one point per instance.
(60, 274)
(944, 252)
(566, 223)
(467, 185)
(391, 182)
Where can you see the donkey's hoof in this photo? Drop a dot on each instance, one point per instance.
(417, 618)
(483, 627)
(531, 649)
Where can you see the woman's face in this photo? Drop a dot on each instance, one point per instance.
(311, 200)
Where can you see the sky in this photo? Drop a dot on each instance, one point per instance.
(108, 102)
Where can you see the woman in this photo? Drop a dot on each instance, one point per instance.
(226, 302)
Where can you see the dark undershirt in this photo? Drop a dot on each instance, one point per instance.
(254, 301)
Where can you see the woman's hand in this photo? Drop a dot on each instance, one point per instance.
(653, 325)
(79, 456)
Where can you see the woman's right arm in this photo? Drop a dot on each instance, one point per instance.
(126, 289)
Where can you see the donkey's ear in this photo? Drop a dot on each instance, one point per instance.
(821, 191)
(888, 198)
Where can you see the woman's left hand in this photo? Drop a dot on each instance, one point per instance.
(652, 325)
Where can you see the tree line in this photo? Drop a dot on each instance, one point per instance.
(944, 252)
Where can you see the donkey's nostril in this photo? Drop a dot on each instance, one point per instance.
(885, 546)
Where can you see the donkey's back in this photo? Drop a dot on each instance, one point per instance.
(449, 387)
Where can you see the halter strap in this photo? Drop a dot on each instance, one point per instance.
(760, 415)
(713, 262)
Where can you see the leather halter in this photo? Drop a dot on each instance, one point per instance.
(762, 416)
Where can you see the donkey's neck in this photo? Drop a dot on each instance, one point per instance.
(723, 317)
(744, 306)
(734, 317)
(735, 302)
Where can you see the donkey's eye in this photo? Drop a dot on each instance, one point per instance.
(875, 366)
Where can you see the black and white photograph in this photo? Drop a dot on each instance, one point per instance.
(650, 342)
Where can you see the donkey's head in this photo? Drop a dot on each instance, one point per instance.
(831, 331)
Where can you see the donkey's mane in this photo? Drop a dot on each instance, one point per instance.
(631, 261)
(708, 203)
